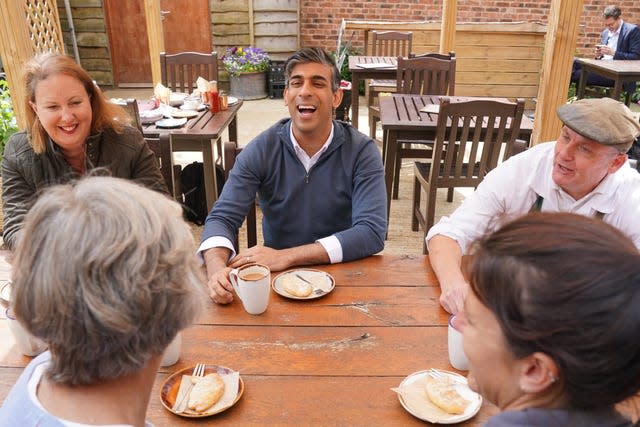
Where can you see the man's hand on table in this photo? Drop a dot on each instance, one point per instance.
(275, 259)
(453, 296)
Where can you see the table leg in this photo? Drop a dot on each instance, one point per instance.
(355, 99)
(233, 130)
(617, 89)
(582, 83)
(209, 164)
(389, 163)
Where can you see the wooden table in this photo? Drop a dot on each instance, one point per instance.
(329, 361)
(620, 71)
(402, 119)
(360, 72)
(201, 134)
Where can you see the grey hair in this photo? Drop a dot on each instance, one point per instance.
(612, 12)
(106, 275)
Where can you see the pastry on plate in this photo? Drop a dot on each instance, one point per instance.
(295, 286)
(442, 393)
(206, 392)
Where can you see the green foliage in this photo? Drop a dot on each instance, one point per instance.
(345, 74)
(8, 123)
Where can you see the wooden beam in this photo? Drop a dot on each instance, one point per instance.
(562, 33)
(448, 29)
(155, 37)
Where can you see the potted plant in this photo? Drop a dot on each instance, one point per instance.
(247, 68)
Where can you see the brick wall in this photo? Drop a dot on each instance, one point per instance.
(320, 20)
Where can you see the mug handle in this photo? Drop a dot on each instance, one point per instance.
(233, 277)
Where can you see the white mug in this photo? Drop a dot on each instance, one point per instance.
(27, 343)
(457, 358)
(252, 283)
(172, 352)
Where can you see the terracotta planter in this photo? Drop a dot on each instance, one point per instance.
(249, 85)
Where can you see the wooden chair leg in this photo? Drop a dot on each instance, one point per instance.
(450, 194)
(425, 248)
(396, 173)
(431, 208)
(415, 207)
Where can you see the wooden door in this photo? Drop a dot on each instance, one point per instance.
(186, 27)
(128, 42)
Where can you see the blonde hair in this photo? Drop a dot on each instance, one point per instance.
(106, 115)
(106, 275)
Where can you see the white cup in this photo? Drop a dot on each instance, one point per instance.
(172, 352)
(191, 104)
(27, 343)
(252, 284)
(457, 358)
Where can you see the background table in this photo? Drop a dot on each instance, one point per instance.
(359, 73)
(202, 133)
(402, 119)
(620, 71)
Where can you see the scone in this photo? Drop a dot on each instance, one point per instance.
(206, 392)
(442, 393)
(296, 287)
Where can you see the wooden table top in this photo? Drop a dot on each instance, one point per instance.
(402, 111)
(618, 66)
(329, 361)
(206, 125)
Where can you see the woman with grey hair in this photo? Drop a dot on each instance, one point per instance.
(106, 276)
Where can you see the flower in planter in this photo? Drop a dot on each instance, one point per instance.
(238, 60)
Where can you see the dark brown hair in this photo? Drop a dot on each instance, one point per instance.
(317, 55)
(568, 286)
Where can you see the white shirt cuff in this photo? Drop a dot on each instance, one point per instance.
(215, 242)
(333, 247)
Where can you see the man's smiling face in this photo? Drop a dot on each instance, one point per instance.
(311, 100)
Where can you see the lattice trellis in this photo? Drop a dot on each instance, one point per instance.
(44, 25)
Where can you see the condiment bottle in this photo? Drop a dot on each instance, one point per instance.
(214, 99)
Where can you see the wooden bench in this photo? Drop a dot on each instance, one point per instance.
(500, 59)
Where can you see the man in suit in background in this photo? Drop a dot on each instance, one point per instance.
(619, 40)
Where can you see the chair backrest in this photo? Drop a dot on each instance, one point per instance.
(427, 75)
(391, 43)
(131, 107)
(180, 71)
(471, 138)
(161, 147)
(230, 152)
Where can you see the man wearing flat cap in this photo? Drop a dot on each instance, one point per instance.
(585, 171)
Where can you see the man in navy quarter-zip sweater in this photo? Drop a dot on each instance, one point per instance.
(320, 183)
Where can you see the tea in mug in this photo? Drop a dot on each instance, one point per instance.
(252, 277)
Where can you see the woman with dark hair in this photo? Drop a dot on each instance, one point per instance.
(72, 129)
(551, 328)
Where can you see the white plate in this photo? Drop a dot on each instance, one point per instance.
(232, 100)
(437, 416)
(150, 116)
(323, 283)
(184, 113)
(171, 123)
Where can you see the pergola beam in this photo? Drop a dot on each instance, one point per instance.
(562, 33)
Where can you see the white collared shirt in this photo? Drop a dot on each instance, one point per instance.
(612, 42)
(331, 244)
(510, 190)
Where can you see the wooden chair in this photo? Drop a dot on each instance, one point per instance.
(230, 151)
(471, 138)
(180, 71)
(161, 147)
(427, 74)
(386, 43)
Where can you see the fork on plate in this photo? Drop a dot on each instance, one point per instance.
(434, 373)
(198, 371)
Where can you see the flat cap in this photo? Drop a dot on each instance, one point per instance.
(603, 120)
